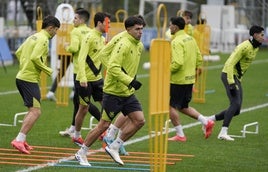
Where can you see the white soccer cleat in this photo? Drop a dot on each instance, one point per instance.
(51, 96)
(225, 137)
(114, 155)
(67, 133)
(82, 159)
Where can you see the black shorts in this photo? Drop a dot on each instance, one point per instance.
(180, 95)
(30, 93)
(93, 89)
(113, 105)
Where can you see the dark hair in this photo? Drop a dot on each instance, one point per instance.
(84, 14)
(140, 17)
(179, 21)
(255, 29)
(50, 21)
(132, 20)
(187, 13)
(100, 17)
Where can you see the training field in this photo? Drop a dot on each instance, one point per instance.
(197, 154)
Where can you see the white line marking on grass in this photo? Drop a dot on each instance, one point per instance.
(139, 139)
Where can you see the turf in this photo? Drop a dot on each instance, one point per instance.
(244, 154)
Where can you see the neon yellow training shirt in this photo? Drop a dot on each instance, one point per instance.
(185, 58)
(77, 35)
(243, 55)
(32, 57)
(123, 66)
(90, 46)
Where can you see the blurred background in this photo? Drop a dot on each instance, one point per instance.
(229, 19)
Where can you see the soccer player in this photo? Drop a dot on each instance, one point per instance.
(233, 71)
(32, 56)
(121, 120)
(119, 87)
(89, 74)
(77, 34)
(185, 59)
(189, 29)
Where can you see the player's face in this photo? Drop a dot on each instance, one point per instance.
(105, 24)
(52, 31)
(136, 31)
(187, 19)
(77, 21)
(173, 28)
(259, 36)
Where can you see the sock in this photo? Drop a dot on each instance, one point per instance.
(202, 119)
(77, 134)
(112, 130)
(224, 131)
(212, 117)
(72, 128)
(116, 144)
(179, 130)
(21, 137)
(84, 149)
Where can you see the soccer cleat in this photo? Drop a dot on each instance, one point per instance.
(79, 141)
(67, 133)
(20, 146)
(82, 159)
(122, 150)
(107, 140)
(27, 146)
(225, 137)
(208, 128)
(178, 138)
(114, 155)
(51, 96)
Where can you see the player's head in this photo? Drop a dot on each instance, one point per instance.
(50, 21)
(134, 26)
(186, 15)
(256, 35)
(255, 29)
(140, 16)
(176, 24)
(51, 24)
(99, 21)
(83, 14)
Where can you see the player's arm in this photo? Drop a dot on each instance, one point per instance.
(82, 60)
(37, 56)
(74, 43)
(231, 62)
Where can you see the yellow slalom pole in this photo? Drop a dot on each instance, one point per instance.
(202, 36)
(159, 95)
(43, 76)
(63, 37)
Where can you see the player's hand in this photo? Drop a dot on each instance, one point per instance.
(199, 71)
(135, 84)
(83, 84)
